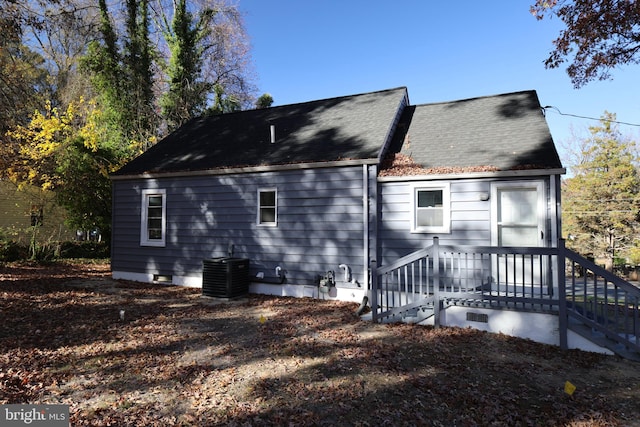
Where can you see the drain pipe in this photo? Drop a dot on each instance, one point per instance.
(365, 223)
(363, 306)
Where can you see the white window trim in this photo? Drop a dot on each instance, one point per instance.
(144, 231)
(446, 207)
(267, 224)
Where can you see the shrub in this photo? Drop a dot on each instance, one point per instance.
(12, 251)
(84, 249)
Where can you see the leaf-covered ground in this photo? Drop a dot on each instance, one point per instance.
(121, 353)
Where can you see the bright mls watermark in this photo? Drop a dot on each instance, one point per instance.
(34, 415)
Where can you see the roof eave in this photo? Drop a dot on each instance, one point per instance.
(475, 175)
(247, 169)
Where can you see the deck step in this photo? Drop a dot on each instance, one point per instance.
(603, 341)
(411, 315)
(418, 314)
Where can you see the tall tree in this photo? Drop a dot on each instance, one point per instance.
(600, 34)
(64, 31)
(137, 64)
(601, 201)
(208, 67)
(188, 92)
(22, 79)
(22, 83)
(226, 63)
(123, 77)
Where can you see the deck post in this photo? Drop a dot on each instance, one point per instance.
(436, 282)
(562, 296)
(374, 290)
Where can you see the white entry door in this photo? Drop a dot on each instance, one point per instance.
(518, 219)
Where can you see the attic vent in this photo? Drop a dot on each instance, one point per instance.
(272, 128)
(477, 317)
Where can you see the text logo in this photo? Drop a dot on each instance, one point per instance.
(34, 415)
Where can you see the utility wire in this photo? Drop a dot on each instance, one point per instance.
(544, 109)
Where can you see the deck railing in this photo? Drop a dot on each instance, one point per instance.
(554, 280)
(602, 301)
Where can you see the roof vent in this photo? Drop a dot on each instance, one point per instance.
(273, 133)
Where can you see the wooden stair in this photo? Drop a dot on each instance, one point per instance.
(601, 339)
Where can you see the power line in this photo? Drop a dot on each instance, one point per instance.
(544, 109)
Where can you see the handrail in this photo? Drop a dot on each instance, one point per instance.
(596, 269)
(603, 302)
(421, 253)
(400, 262)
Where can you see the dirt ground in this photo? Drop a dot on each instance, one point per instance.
(122, 353)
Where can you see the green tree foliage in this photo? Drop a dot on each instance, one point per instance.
(188, 92)
(601, 201)
(264, 101)
(123, 78)
(599, 34)
(206, 59)
(223, 102)
(139, 78)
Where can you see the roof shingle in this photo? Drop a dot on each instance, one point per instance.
(501, 132)
(350, 127)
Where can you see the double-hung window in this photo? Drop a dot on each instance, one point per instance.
(153, 218)
(267, 207)
(430, 208)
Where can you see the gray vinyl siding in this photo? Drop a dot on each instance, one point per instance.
(470, 218)
(319, 223)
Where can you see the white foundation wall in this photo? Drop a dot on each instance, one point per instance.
(302, 291)
(188, 281)
(297, 291)
(539, 327)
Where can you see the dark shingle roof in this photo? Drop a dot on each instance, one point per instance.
(501, 132)
(350, 127)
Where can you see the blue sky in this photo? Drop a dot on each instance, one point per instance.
(440, 50)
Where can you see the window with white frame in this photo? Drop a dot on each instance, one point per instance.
(267, 207)
(153, 218)
(431, 208)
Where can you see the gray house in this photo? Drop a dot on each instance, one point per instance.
(330, 185)
(444, 214)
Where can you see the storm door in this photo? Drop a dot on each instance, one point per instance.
(518, 219)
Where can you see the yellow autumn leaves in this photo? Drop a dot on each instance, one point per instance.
(50, 133)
